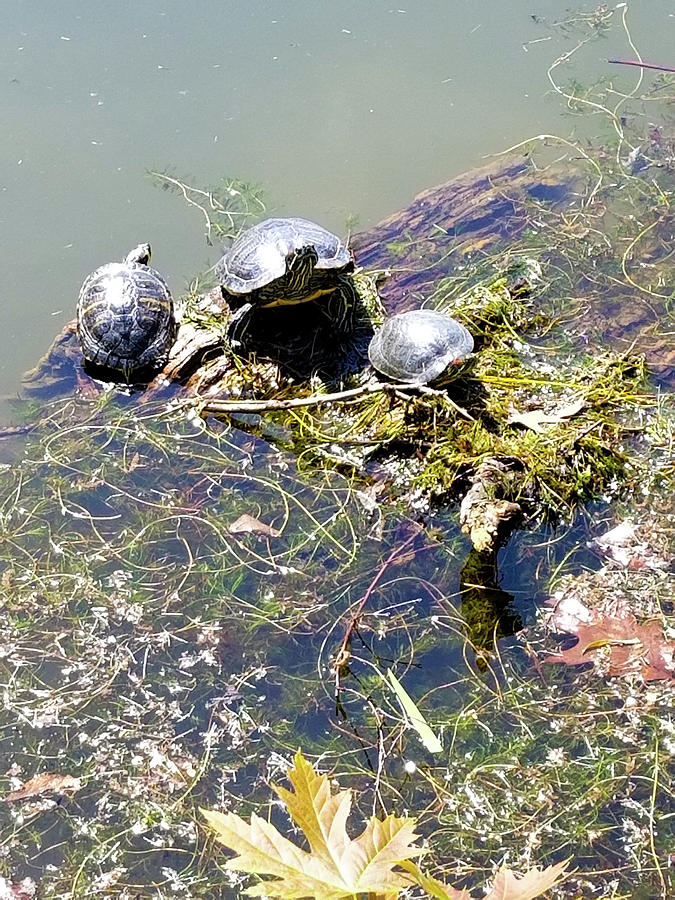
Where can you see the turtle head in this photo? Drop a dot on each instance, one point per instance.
(301, 258)
(300, 264)
(140, 255)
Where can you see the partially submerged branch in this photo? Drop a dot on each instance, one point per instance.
(215, 405)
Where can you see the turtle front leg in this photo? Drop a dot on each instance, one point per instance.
(339, 307)
(238, 326)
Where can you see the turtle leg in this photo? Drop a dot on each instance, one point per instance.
(339, 307)
(238, 326)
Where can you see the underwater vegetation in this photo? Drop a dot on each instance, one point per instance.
(197, 582)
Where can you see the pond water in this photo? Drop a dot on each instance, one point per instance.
(340, 109)
(174, 591)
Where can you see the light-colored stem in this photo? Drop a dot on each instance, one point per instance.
(215, 405)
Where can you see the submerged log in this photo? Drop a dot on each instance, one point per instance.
(483, 514)
(458, 246)
(431, 239)
(445, 226)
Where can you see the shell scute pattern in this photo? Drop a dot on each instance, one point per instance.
(282, 257)
(125, 317)
(419, 345)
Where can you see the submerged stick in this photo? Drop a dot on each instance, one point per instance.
(642, 65)
(342, 656)
(12, 430)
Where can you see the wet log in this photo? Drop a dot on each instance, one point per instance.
(447, 225)
(430, 239)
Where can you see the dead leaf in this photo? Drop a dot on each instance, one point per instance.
(535, 418)
(369, 497)
(626, 646)
(248, 525)
(336, 866)
(507, 885)
(624, 545)
(24, 890)
(567, 410)
(41, 784)
(133, 463)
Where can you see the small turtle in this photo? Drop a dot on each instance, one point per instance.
(280, 262)
(125, 315)
(419, 345)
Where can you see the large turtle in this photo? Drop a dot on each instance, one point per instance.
(281, 262)
(125, 316)
(419, 345)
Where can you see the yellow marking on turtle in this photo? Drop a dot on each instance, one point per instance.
(288, 302)
(93, 305)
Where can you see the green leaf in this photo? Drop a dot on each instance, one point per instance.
(415, 717)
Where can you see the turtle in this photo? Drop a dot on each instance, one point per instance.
(419, 345)
(125, 315)
(282, 262)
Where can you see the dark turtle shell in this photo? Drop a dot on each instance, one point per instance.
(419, 345)
(282, 255)
(125, 317)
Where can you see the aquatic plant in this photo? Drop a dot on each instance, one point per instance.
(186, 598)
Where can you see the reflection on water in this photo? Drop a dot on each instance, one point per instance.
(486, 608)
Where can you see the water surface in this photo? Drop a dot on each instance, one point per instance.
(337, 109)
(169, 661)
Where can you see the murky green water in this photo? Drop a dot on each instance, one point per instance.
(166, 658)
(337, 108)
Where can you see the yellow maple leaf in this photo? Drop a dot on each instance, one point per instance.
(335, 866)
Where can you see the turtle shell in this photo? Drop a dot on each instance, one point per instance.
(261, 254)
(125, 318)
(419, 345)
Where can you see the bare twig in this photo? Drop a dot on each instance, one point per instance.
(214, 405)
(643, 65)
(12, 430)
(342, 655)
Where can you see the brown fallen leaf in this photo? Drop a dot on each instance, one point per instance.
(535, 418)
(41, 784)
(131, 464)
(24, 890)
(507, 885)
(249, 525)
(626, 646)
